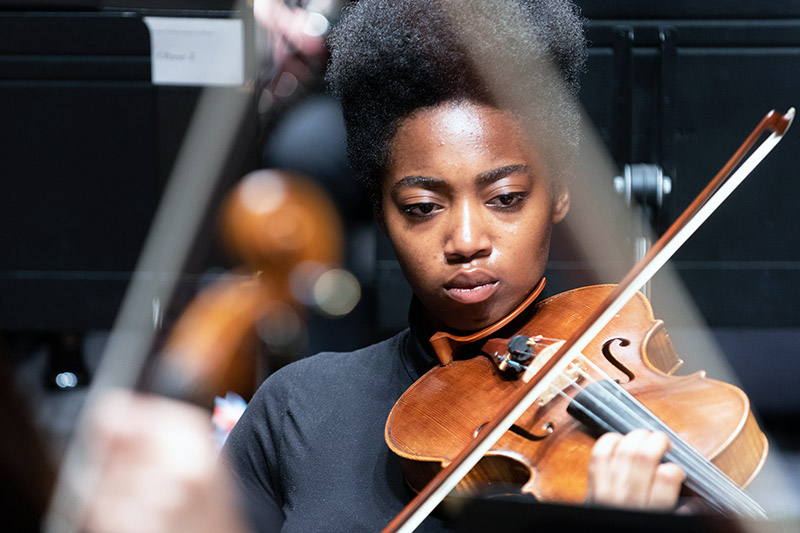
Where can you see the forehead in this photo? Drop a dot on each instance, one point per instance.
(456, 136)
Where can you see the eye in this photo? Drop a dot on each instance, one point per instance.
(420, 210)
(508, 200)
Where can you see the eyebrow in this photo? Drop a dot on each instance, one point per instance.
(418, 181)
(484, 178)
(490, 176)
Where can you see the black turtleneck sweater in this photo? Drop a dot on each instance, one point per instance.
(309, 451)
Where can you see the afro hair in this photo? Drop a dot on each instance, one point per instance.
(390, 58)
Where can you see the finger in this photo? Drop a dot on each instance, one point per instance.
(157, 462)
(623, 476)
(599, 467)
(632, 473)
(127, 499)
(666, 486)
(108, 416)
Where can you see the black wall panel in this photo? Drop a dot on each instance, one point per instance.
(77, 138)
(87, 143)
(691, 99)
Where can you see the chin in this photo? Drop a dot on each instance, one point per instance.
(462, 319)
(467, 323)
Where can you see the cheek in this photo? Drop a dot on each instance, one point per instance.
(544, 244)
(527, 250)
(413, 254)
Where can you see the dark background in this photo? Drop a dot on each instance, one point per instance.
(87, 143)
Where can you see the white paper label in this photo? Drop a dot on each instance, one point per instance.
(196, 51)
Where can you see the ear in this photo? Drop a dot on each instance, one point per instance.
(560, 204)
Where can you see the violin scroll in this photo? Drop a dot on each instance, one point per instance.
(290, 238)
(279, 223)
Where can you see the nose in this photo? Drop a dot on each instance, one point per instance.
(467, 235)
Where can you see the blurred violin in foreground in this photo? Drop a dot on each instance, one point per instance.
(290, 239)
(138, 450)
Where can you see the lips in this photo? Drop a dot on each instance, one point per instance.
(471, 287)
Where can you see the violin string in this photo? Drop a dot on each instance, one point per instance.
(576, 385)
(708, 480)
(705, 478)
(698, 468)
(712, 483)
(621, 407)
(702, 476)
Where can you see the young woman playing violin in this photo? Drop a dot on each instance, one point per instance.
(468, 202)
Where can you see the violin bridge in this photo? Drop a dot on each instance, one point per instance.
(572, 374)
(527, 355)
(544, 349)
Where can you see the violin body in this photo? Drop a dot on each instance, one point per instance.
(547, 451)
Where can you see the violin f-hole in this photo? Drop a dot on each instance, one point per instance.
(613, 360)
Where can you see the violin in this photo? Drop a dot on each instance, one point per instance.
(546, 452)
(576, 365)
(289, 235)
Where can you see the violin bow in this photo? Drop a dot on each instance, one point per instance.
(710, 198)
